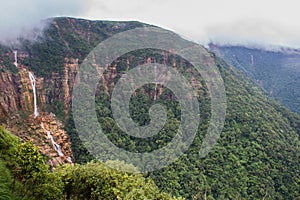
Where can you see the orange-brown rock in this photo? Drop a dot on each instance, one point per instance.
(17, 108)
(17, 94)
(35, 130)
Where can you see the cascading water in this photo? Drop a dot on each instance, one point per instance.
(54, 144)
(155, 84)
(69, 159)
(32, 80)
(16, 58)
(155, 92)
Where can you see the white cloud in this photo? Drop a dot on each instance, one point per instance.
(15, 16)
(234, 21)
(274, 22)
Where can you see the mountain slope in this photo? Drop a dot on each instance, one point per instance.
(278, 72)
(25, 175)
(256, 157)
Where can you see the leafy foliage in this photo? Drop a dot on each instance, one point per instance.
(257, 151)
(29, 177)
(5, 183)
(97, 181)
(257, 156)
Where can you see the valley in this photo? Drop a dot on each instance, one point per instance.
(256, 157)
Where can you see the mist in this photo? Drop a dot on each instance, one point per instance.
(255, 33)
(260, 23)
(268, 24)
(26, 19)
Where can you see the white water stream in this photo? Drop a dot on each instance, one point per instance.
(16, 58)
(32, 80)
(54, 144)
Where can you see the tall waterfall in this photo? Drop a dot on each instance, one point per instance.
(32, 80)
(16, 58)
(155, 84)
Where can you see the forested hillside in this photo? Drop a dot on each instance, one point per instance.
(25, 175)
(256, 157)
(277, 72)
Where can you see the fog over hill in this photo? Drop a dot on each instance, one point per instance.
(234, 22)
(255, 157)
(276, 70)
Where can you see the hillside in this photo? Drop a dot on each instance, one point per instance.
(25, 175)
(277, 72)
(256, 157)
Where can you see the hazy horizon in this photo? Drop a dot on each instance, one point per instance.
(231, 22)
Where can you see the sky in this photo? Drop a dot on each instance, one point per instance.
(247, 22)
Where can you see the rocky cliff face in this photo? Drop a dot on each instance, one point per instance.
(54, 61)
(17, 108)
(57, 88)
(16, 93)
(38, 130)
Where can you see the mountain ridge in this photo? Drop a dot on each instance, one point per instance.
(256, 156)
(277, 72)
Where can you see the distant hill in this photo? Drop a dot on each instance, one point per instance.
(277, 72)
(256, 157)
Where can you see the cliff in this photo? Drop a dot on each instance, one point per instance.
(17, 108)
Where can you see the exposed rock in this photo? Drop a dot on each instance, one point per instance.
(17, 108)
(35, 130)
(70, 70)
(16, 93)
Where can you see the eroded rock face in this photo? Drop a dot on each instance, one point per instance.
(17, 108)
(36, 130)
(57, 88)
(70, 71)
(17, 93)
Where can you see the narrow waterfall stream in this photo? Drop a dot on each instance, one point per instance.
(32, 80)
(16, 58)
(56, 146)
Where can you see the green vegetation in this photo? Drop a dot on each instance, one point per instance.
(276, 72)
(68, 37)
(5, 182)
(96, 181)
(257, 156)
(25, 175)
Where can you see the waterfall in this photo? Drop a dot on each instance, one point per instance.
(16, 58)
(155, 84)
(155, 92)
(69, 159)
(252, 60)
(54, 144)
(32, 80)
